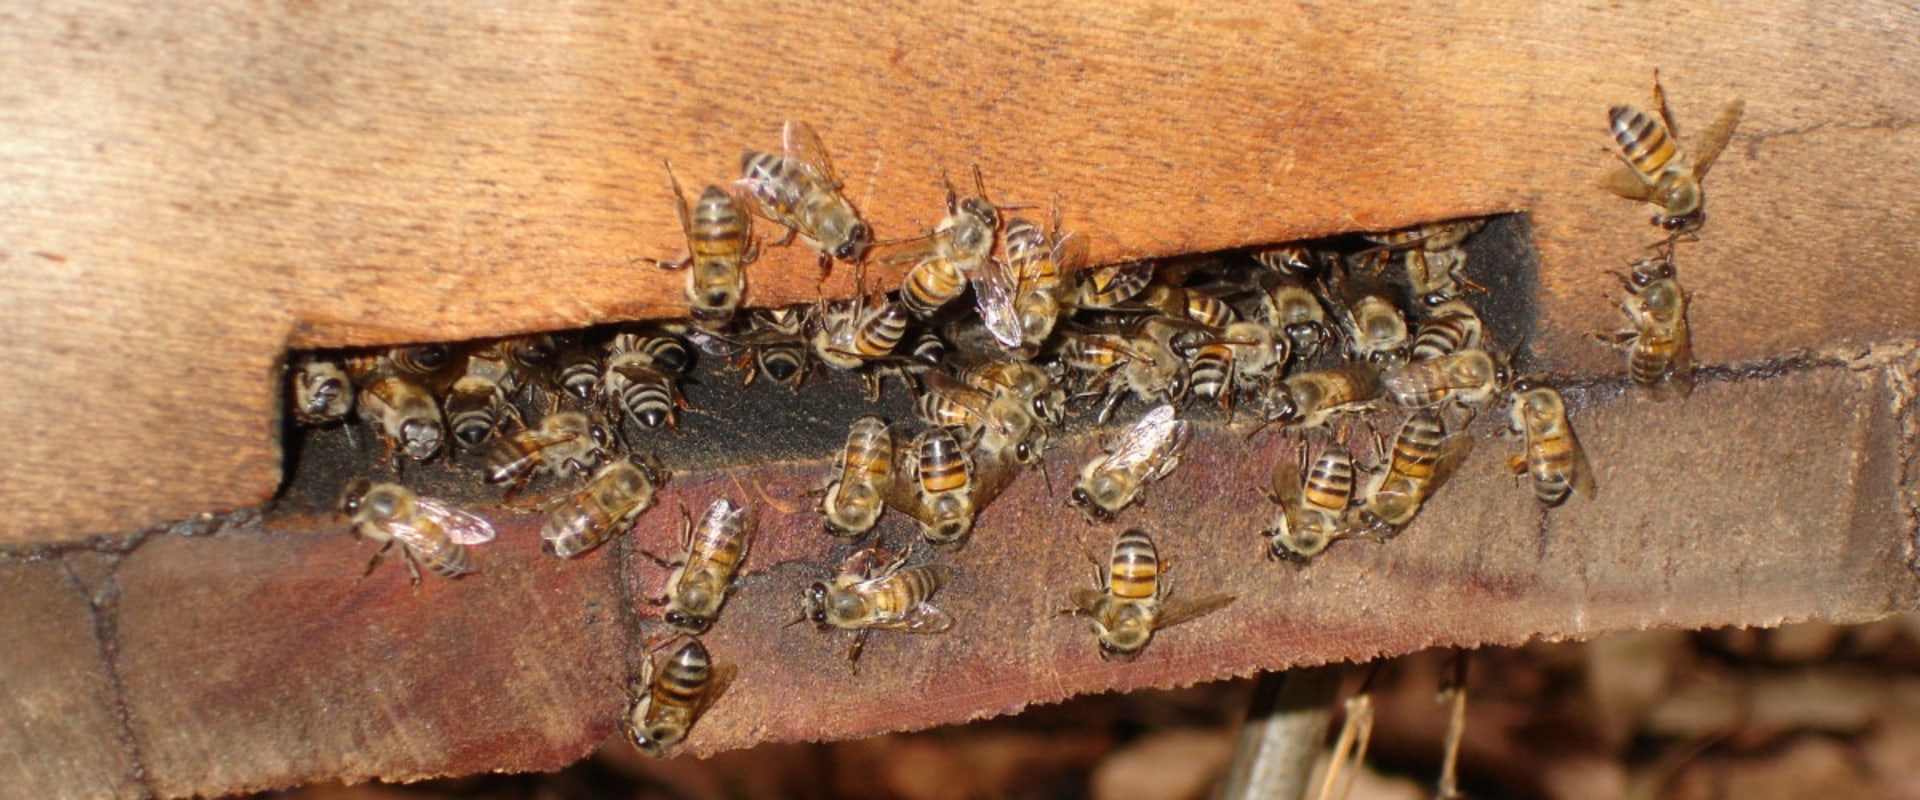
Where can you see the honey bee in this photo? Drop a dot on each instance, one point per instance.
(1433, 237)
(1288, 305)
(799, 189)
(993, 422)
(703, 577)
(1553, 459)
(640, 377)
(1469, 377)
(430, 532)
(1149, 451)
(609, 502)
(1038, 263)
(1312, 513)
(956, 254)
(1659, 345)
(1111, 285)
(405, 414)
(1129, 601)
(1656, 170)
(577, 372)
(476, 405)
(849, 333)
(720, 245)
(566, 443)
(425, 363)
(776, 345)
(1424, 455)
(1377, 331)
(1211, 365)
(1309, 399)
(321, 390)
(1046, 400)
(1297, 262)
(1451, 327)
(895, 597)
(665, 702)
(939, 484)
(852, 502)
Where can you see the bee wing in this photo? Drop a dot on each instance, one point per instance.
(958, 392)
(910, 251)
(990, 476)
(1453, 452)
(922, 618)
(902, 491)
(462, 527)
(723, 675)
(1626, 182)
(801, 144)
(1172, 612)
(1070, 252)
(1582, 468)
(680, 202)
(1087, 600)
(1157, 435)
(993, 296)
(1716, 137)
(1286, 491)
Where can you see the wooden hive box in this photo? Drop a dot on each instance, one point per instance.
(193, 191)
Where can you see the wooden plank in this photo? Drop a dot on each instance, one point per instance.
(190, 193)
(259, 657)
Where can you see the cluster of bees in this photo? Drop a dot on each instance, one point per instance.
(999, 328)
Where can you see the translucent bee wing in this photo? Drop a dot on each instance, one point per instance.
(723, 675)
(462, 527)
(1626, 182)
(993, 296)
(922, 618)
(1173, 613)
(1070, 253)
(1087, 601)
(1716, 137)
(1582, 477)
(1286, 490)
(1157, 437)
(802, 145)
(910, 252)
(1453, 452)
(680, 203)
(902, 492)
(958, 392)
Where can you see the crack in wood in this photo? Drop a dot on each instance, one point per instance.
(102, 593)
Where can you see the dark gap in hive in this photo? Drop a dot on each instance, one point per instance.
(727, 423)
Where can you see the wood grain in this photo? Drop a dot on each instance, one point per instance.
(191, 192)
(259, 657)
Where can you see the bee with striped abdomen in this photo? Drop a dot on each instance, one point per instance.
(1656, 170)
(1553, 457)
(720, 245)
(602, 509)
(1469, 377)
(1425, 454)
(1130, 599)
(1312, 511)
(1309, 399)
(642, 377)
(403, 412)
(565, 443)
(1149, 451)
(852, 502)
(866, 596)
(1659, 344)
(430, 532)
(1450, 327)
(710, 557)
(849, 333)
(940, 484)
(799, 189)
(476, 404)
(666, 700)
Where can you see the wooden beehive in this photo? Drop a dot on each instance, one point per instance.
(192, 192)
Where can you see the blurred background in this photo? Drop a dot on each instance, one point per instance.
(1808, 710)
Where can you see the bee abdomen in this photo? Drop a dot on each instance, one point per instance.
(1135, 569)
(1642, 139)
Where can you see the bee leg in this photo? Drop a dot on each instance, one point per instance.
(859, 646)
(1518, 465)
(413, 567)
(375, 560)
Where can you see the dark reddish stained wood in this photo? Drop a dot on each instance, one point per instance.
(259, 657)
